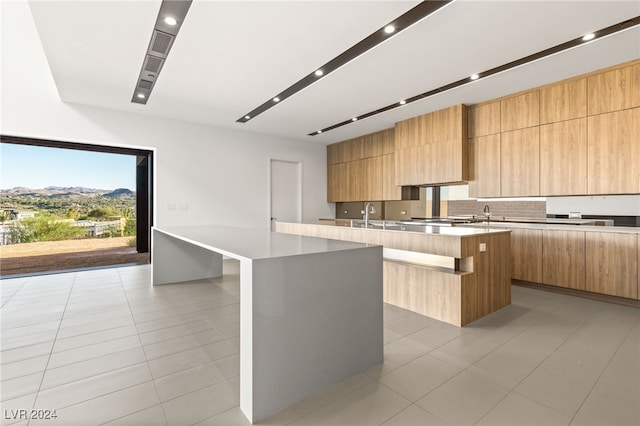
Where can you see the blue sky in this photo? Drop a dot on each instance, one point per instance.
(38, 167)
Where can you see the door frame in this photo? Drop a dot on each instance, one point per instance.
(145, 178)
(270, 161)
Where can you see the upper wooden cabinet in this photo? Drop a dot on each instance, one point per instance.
(483, 119)
(520, 163)
(614, 90)
(521, 111)
(484, 166)
(358, 169)
(563, 158)
(432, 148)
(563, 101)
(614, 152)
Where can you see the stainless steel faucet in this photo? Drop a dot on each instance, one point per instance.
(366, 213)
(487, 212)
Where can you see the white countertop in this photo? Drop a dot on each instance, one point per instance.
(245, 243)
(553, 227)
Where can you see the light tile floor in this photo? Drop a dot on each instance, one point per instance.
(105, 347)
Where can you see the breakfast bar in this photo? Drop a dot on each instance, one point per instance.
(310, 308)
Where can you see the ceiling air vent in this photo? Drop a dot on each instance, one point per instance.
(153, 64)
(161, 43)
(170, 17)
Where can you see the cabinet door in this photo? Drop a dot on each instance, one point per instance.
(563, 158)
(614, 152)
(338, 184)
(614, 90)
(373, 179)
(447, 124)
(526, 255)
(388, 141)
(484, 120)
(407, 133)
(520, 162)
(485, 164)
(389, 189)
(520, 111)
(563, 260)
(612, 266)
(563, 101)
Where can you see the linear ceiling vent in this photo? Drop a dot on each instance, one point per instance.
(170, 18)
(153, 64)
(161, 43)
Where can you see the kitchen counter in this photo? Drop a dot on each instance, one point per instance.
(298, 297)
(452, 274)
(549, 226)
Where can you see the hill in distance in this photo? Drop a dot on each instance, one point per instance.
(71, 191)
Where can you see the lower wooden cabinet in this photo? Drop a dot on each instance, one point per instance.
(612, 264)
(526, 255)
(563, 259)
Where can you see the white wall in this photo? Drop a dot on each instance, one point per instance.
(220, 175)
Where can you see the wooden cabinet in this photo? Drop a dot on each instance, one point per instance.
(614, 152)
(563, 101)
(612, 266)
(563, 158)
(614, 90)
(563, 260)
(389, 189)
(520, 111)
(484, 161)
(483, 119)
(432, 148)
(526, 255)
(356, 169)
(520, 162)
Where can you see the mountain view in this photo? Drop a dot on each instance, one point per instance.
(70, 202)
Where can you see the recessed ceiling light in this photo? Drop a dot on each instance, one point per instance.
(319, 73)
(588, 37)
(474, 76)
(170, 20)
(319, 131)
(354, 119)
(389, 29)
(246, 117)
(141, 95)
(276, 99)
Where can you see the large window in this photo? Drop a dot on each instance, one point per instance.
(90, 198)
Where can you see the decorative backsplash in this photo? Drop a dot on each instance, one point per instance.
(531, 209)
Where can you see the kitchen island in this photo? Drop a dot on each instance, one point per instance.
(456, 275)
(310, 308)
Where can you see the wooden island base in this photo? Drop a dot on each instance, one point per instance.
(454, 275)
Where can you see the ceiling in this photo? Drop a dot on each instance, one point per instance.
(231, 56)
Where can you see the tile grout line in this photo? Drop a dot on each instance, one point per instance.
(604, 369)
(44, 372)
(155, 387)
(15, 292)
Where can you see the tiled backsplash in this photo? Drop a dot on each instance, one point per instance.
(532, 209)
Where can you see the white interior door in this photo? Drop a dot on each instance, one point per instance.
(286, 191)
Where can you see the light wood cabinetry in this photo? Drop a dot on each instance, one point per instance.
(483, 119)
(432, 148)
(612, 266)
(614, 90)
(358, 169)
(563, 101)
(484, 161)
(526, 255)
(520, 162)
(563, 158)
(614, 152)
(521, 111)
(563, 260)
